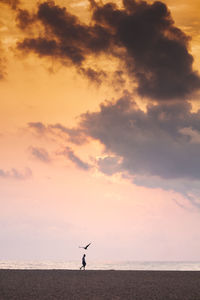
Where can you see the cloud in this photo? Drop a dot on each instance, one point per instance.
(93, 75)
(157, 51)
(16, 174)
(70, 134)
(69, 153)
(40, 154)
(158, 147)
(153, 51)
(155, 148)
(39, 127)
(24, 19)
(65, 37)
(109, 165)
(151, 142)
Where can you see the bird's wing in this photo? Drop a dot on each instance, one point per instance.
(87, 245)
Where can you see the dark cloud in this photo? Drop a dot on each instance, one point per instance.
(157, 50)
(42, 46)
(69, 153)
(65, 37)
(24, 18)
(16, 174)
(157, 148)
(162, 142)
(143, 36)
(40, 154)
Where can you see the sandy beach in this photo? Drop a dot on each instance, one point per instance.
(78, 285)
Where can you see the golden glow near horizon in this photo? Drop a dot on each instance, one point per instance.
(56, 201)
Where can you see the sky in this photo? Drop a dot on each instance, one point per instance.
(100, 130)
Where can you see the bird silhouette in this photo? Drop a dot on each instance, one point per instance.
(85, 246)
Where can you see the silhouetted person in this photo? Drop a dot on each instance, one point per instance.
(83, 262)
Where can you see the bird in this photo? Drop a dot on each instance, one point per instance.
(85, 246)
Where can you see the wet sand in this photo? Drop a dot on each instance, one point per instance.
(105, 285)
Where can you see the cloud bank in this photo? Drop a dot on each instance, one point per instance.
(153, 51)
(156, 142)
(158, 147)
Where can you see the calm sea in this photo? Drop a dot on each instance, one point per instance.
(108, 265)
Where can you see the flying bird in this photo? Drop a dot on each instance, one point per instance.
(85, 246)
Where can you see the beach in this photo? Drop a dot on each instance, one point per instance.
(89, 284)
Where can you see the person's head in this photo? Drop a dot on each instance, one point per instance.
(84, 255)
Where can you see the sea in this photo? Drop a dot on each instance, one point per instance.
(103, 265)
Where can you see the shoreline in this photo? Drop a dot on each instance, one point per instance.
(99, 284)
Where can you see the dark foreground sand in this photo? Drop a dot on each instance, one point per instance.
(78, 285)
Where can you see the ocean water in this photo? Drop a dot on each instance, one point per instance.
(106, 265)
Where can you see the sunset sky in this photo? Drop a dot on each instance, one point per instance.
(100, 129)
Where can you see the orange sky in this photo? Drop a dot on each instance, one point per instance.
(51, 206)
